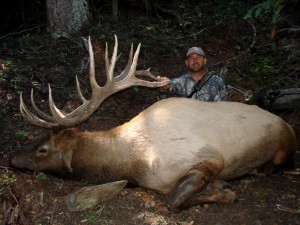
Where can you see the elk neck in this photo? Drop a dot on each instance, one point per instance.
(107, 156)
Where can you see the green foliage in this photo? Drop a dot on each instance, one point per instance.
(65, 56)
(267, 8)
(11, 74)
(41, 177)
(5, 181)
(229, 8)
(15, 81)
(136, 88)
(2, 77)
(21, 134)
(8, 64)
(265, 67)
(92, 216)
(4, 110)
(267, 73)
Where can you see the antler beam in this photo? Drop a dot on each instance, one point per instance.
(113, 84)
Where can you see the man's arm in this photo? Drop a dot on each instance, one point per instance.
(167, 86)
(218, 89)
(176, 85)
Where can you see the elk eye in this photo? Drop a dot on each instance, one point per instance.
(42, 151)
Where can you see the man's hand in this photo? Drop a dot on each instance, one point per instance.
(167, 86)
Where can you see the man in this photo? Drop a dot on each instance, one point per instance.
(186, 85)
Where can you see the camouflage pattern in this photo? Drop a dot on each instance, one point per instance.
(213, 90)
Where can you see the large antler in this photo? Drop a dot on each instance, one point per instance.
(113, 84)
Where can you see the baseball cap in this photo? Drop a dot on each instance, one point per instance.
(197, 50)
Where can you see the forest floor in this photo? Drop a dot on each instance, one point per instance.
(34, 60)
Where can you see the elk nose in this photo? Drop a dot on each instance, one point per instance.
(13, 160)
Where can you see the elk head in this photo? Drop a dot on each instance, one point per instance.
(113, 84)
(51, 152)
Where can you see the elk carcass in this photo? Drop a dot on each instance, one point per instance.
(179, 147)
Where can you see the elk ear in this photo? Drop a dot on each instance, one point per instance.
(67, 159)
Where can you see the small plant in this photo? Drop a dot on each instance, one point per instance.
(2, 77)
(41, 177)
(85, 182)
(136, 88)
(15, 81)
(21, 134)
(63, 58)
(5, 181)
(8, 64)
(4, 110)
(92, 216)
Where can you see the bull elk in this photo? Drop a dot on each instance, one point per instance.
(177, 146)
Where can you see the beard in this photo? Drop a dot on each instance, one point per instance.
(195, 68)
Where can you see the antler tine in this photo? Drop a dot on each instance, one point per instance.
(73, 118)
(134, 62)
(131, 75)
(32, 118)
(106, 58)
(129, 78)
(112, 64)
(39, 112)
(93, 81)
(127, 68)
(145, 73)
(79, 91)
(54, 110)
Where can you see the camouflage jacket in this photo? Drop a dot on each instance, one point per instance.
(213, 90)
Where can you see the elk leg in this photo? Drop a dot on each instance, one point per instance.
(218, 184)
(215, 192)
(185, 193)
(200, 178)
(184, 189)
(218, 195)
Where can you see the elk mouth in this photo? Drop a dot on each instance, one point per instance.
(28, 166)
(21, 161)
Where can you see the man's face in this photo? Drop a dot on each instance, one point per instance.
(195, 62)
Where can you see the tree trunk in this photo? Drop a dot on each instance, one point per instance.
(67, 17)
(115, 10)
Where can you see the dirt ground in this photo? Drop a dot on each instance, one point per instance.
(34, 198)
(272, 200)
